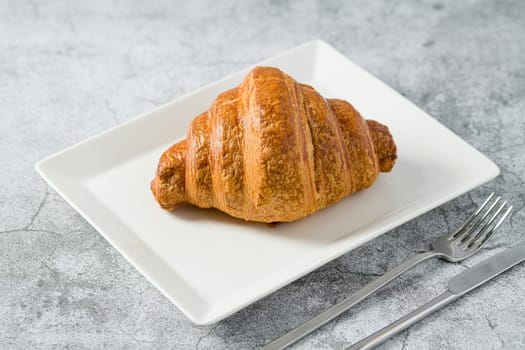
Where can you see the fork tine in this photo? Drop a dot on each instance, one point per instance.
(476, 222)
(454, 234)
(483, 228)
(481, 242)
(500, 221)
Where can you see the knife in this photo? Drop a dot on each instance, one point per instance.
(458, 286)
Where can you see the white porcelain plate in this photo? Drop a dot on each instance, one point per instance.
(211, 265)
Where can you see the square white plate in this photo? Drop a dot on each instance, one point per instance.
(211, 265)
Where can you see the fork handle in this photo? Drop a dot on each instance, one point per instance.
(336, 310)
(403, 323)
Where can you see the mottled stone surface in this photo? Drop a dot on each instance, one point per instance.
(71, 69)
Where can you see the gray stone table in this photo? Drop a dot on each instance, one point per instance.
(71, 69)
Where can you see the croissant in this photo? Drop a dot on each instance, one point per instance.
(273, 150)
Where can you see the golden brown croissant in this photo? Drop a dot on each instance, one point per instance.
(273, 150)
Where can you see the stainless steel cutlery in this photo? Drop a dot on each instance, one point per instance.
(458, 286)
(455, 246)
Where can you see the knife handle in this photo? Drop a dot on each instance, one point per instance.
(404, 322)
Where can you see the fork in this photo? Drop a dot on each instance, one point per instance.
(462, 243)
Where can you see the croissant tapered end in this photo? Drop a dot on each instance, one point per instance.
(169, 184)
(384, 145)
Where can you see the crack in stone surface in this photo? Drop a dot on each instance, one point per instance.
(405, 339)
(36, 230)
(493, 328)
(469, 195)
(35, 9)
(201, 338)
(27, 228)
(11, 231)
(53, 272)
(71, 24)
(112, 111)
(40, 206)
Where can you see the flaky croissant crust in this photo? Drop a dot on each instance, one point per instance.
(273, 150)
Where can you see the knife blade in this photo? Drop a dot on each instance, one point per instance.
(458, 286)
(486, 270)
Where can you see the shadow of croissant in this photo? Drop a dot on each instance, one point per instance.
(318, 228)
